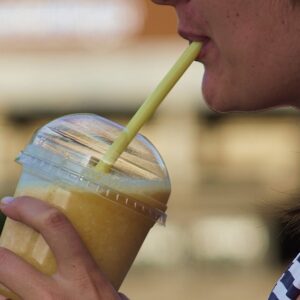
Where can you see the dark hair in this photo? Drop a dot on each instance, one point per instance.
(289, 216)
(291, 219)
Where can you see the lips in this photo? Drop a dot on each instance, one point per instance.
(191, 37)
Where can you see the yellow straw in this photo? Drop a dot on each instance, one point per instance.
(149, 107)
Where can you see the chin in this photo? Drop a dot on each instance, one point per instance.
(222, 96)
(222, 104)
(218, 97)
(218, 106)
(224, 100)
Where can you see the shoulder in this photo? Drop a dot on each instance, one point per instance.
(288, 286)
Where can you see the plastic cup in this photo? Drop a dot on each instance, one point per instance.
(113, 212)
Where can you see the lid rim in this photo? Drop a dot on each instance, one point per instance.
(43, 167)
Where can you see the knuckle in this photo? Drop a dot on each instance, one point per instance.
(85, 278)
(46, 290)
(54, 219)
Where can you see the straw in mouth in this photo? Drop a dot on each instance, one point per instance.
(149, 107)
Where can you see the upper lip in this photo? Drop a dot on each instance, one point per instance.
(192, 36)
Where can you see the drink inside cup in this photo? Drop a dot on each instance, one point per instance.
(113, 212)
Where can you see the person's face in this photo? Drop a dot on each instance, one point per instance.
(251, 50)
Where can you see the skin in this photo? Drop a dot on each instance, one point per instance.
(252, 61)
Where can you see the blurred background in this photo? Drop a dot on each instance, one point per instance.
(231, 174)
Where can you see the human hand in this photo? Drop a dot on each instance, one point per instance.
(78, 276)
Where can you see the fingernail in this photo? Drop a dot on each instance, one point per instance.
(7, 200)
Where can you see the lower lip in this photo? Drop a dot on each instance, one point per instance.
(204, 50)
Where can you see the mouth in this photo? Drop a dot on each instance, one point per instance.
(191, 37)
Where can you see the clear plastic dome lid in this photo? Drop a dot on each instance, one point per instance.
(74, 144)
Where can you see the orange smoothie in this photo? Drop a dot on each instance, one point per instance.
(113, 231)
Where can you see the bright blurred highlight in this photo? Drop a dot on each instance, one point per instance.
(107, 20)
